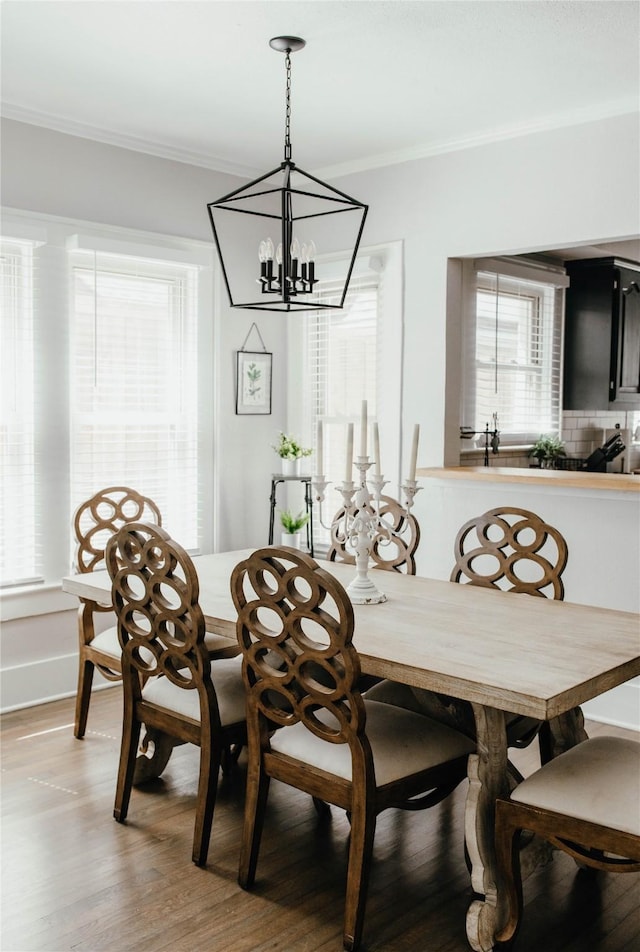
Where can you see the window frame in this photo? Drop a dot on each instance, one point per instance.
(544, 347)
(57, 236)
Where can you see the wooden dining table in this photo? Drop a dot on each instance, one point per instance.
(502, 652)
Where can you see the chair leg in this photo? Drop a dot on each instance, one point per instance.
(508, 871)
(206, 804)
(83, 697)
(363, 828)
(254, 811)
(128, 753)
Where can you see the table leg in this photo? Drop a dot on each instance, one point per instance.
(150, 768)
(488, 780)
(561, 733)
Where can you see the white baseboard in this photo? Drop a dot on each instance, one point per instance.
(619, 707)
(38, 682)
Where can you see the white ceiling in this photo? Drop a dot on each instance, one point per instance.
(379, 80)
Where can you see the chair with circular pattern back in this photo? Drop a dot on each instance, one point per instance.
(94, 522)
(323, 737)
(513, 550)
(169, 681)
(492, 549)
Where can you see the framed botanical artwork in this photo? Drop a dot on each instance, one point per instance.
(253, 382)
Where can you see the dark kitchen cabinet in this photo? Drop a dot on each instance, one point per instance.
(602, 335)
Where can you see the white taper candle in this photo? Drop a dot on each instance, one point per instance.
(414, 451)
(349, 463)
(376, 448)
(363, 429)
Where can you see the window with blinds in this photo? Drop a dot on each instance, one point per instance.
(134, 380)
(101, 384)
(513, 353)
(341, 370)
(20, 560)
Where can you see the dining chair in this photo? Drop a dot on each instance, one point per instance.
(512, 550)
(393, 550)
(323, 737)
(94, 522)
(169, 681)
(584, 802)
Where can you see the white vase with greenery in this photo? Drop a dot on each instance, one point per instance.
(290, 453)
(292, 527)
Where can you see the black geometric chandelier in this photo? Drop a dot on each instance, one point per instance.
(268, 232)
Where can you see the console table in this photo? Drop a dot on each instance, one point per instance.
(276, 479)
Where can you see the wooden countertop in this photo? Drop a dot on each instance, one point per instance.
(617, 482)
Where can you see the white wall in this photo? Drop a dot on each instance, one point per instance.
(563, 187)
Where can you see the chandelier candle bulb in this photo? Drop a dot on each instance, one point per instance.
(262, 258)
(414, 452)
(349, 462)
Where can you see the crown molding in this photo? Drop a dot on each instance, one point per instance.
(163, 150)
(576, 117)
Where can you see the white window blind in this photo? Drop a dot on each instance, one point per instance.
(105, 337)
(134, 383)
(20, 552)
(513, 353)
(341, 370)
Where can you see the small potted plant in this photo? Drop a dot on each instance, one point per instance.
(292, 526)
(547, 449)
(290, 453)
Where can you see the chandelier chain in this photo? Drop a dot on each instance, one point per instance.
(287, 121)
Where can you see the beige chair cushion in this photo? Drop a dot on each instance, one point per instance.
(107, 641)
(402, 743)
(597, 781)
(227, 680)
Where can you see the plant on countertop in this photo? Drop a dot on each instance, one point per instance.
(547, 449)
(291, 523)
(289, 448)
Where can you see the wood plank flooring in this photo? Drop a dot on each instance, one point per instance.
(74, 879)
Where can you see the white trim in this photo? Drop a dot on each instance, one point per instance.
(577, 117)
(38, 682)
(161, 150)
(165, 150)
(34, 600)
(619, 707)
(147, 252)
(19, 218)
(524, 270)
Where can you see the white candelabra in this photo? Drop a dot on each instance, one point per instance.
(359, 522)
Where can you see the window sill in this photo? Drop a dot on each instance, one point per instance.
(35, 600)
(504, 448)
